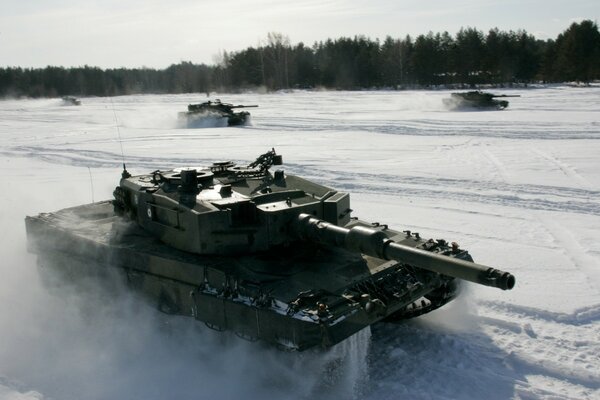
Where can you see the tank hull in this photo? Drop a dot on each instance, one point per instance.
(311, 297)
(192, 119)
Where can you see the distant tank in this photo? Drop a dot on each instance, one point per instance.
(216, 109)
(71, 101)
(477, 99)
(269, 256)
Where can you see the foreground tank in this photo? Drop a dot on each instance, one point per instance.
(269, 256)
(216, 109)
(477, 99)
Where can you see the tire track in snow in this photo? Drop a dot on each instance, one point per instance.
(426, 127)
(533, 197)
(433, 362)
(581, 316)
(562, 346)
(497, 164)
(564, 239)
(564, 356)
(567, 169)
(437, 362)
(98, 158)
(581, 259)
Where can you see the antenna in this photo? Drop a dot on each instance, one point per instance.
(125, 174)
(91, 183)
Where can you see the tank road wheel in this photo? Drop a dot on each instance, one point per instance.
(214, 327)
(246, 337)
(167, 305)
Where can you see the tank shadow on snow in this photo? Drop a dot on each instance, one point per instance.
(436, 362)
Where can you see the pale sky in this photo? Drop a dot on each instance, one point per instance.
(154, 33)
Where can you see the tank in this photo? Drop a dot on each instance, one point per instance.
(477, 99)
(216, 109)
(268, 255)
(71, 101)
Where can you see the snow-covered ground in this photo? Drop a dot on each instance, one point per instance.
(519, 188)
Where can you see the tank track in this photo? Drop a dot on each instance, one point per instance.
(427, 303)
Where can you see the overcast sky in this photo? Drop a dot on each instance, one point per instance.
(153, 33)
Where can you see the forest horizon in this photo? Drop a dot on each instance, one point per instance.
(468, 58)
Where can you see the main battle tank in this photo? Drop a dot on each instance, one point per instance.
(216, 109)
(71, 101)
(270, 256)
(477, 99)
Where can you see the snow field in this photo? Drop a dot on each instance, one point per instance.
(519, 188)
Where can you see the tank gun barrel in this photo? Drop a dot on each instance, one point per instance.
(376, 244)
(242, 106)
(506, 95)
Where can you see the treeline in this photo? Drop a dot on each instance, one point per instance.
(468, 58)
(93, 81)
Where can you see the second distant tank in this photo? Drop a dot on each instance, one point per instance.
(71, 101)
(477, 99)
(217, 109)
